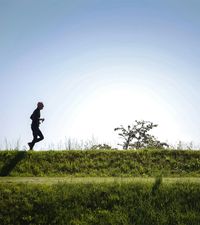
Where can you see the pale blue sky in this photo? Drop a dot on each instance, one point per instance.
(97, 64)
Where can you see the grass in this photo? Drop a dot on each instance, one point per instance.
(101, 163)
(149, 187)
(96, 180)
(135, 202)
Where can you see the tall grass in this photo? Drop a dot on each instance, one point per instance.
(79, 144)
(92, 203)
(11, 145)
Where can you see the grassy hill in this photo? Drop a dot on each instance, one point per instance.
(100, 187)
(131, 163)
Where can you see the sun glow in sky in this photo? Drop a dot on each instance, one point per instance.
(97, 65)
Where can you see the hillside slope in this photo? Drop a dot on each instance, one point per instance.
(146, 163)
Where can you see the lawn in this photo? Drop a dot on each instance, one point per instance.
(85, 180)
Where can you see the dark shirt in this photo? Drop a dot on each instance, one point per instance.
(35, 118)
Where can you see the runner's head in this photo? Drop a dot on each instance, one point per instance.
(40, 105)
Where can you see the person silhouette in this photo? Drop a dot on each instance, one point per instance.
(36, 120)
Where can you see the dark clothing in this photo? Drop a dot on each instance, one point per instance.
(36, 132)
(35, 118)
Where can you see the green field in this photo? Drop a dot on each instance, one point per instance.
(99, 201)
(96, 180)
(100, 187)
